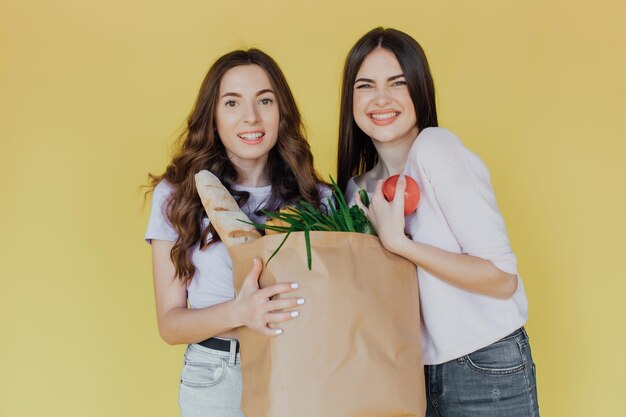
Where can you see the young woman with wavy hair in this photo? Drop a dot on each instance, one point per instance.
(246, 129)
(473, 305)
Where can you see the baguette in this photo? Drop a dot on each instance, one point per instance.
(223, 211)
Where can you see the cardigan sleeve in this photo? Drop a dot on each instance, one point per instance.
(463, 191)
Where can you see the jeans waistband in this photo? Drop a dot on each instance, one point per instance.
(224, 345)
(521, 332)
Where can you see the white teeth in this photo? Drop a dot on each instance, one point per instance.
(384, 116)
(251, 136)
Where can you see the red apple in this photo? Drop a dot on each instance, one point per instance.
(411, 194)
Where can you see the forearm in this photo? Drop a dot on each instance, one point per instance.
(467, 272)
(181, 325)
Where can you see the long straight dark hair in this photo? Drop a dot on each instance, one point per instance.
(356, 153)
(290, 162)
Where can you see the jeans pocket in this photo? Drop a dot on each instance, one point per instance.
(202, 369)
(500, 358)
(202, 375)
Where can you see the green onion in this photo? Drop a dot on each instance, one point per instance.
(303, 217)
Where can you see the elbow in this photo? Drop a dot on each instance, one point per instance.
(507, 287)
(168, 336)
(169, 340)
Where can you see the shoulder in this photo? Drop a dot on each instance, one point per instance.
(325, 192)
(164, 188)
(441, 156)
(159, 225)
(438, 149)
(436, 142)
(162, 193)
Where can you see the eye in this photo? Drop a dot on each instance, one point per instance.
(362, 86)
(230, 103)
(266, 101)
(399, 83)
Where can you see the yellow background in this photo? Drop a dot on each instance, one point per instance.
(93, 93)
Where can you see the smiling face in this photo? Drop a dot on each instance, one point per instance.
(247, 115)
(382, 106)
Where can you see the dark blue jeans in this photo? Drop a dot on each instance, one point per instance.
(496, 381)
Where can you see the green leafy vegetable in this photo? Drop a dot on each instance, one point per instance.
(303, 217)
(364, 198)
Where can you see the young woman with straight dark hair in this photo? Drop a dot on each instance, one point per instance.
(246, 129)
(476, 351)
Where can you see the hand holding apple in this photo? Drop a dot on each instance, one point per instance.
(411, 193)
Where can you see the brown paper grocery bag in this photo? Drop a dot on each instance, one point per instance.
(355, 349)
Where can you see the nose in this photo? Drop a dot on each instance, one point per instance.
(382, 97)
(251, 114)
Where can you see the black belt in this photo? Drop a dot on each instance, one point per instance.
(219, 344)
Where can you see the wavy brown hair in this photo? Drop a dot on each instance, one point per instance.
(289, 167)
(356, 153)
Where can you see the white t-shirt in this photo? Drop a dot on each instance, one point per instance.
(212, 282)
(458, 212)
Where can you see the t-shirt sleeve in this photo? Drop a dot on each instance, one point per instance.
(463, 190)
(159, 226)
(326, 192)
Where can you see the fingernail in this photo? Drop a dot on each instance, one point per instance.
(278, 331)
(295, 285)
(300, 301)
(295, 314)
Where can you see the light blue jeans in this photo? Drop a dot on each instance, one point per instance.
(498, 380)
(210, 383)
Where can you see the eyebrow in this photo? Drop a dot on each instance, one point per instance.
(367, 80)
(230, 94)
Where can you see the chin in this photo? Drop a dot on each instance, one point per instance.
(252, 154)
(392, 135)
(379, 136)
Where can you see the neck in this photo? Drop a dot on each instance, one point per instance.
(252, 173)
(392, 155)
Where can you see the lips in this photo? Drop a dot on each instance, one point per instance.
(383, 117)
(252, 138)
